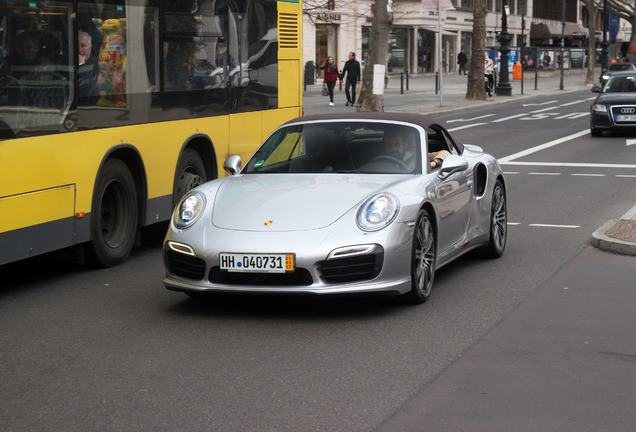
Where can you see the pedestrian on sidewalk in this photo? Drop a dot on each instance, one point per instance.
(352, 72)
(462, 59)
(331, 76)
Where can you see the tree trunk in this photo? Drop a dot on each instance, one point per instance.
(476, 88)
(378, 44)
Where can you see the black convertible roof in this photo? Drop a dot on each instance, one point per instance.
(418, 119)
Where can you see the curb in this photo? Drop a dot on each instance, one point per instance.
(621, 240)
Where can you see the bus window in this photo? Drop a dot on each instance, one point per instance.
(36, 87)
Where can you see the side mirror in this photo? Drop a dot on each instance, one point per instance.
(452, 164)
(232, 165)
(596, 89)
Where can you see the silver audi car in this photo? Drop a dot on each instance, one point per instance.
(339, 203)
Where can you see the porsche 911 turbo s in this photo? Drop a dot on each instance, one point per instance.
(335, 203)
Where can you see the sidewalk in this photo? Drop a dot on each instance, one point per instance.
(618, 236)
(422, 98)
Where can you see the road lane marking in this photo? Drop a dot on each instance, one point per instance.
(508, 118)
(554, 226)
(538, 104)
(573, 115)
(544, 173)
(587, 175)
(566, 164)
(466, 126)
(471, 119)
(523, 153)
(625, 175)
(630, 142)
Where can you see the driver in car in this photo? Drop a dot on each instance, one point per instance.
(395, 146)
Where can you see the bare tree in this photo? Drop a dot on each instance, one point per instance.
(625, 9)
(593, 7)
(476, 88)
(378, 42)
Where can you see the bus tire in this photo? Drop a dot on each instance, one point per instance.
(114, 216)
(190, 174)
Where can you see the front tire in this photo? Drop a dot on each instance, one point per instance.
(190, 174)
(423, 258)
(114, 217)
(596, 132)
(498, 222)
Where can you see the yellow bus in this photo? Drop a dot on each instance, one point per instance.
(110, 110)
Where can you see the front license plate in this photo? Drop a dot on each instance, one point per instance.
(625, 118)
(261, 263)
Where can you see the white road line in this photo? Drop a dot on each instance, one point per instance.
(544, 173)
(587, 175)
(565, 164)
(543, 146)
(572, 115)
(471, 119)
(625, 175)
(544, 109)
(554, 226)
(511, 172)
(576, 102)
(514, 223)
(542, 103)
(508, 118)
(466, 127)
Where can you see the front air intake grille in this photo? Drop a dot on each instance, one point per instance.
(288, 30)
(186, 266)
(300, 277)
(352, 269)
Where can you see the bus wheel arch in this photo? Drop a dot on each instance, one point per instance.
(116, 209)
(196, 165)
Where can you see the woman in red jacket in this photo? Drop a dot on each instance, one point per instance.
(331, 76)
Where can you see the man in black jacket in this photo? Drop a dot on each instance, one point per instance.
(462, 59)
(352, 70)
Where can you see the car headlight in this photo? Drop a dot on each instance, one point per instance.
(378, 212)
(605, 77)
(189, 209)
(599, 108)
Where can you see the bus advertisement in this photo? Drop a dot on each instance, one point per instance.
(110, 110)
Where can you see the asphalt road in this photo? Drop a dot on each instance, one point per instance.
(112, 350)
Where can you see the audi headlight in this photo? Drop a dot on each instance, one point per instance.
(605, 77)
(599, 108)
(378, 212)
(189, 210)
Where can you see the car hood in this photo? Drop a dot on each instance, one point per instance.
(284, 202)
(617, 98)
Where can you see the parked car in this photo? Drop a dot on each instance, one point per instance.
(323, 208)
(615, 106)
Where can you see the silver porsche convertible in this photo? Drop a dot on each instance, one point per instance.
(339, 203)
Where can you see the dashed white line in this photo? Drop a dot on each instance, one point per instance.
(554, 226)
(626, 175)
(545, 173)
(466, 126)
(587, 175)
(509, 118)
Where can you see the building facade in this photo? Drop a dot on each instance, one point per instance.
(336, 27)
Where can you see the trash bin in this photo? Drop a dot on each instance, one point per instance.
(516, 70)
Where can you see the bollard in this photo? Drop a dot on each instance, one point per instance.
(407, 80)
(401, 82)
(340, 80)
(536, 78)
(436, 82)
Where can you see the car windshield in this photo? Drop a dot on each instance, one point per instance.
(342, 147)
(620, 83)
(621, 66)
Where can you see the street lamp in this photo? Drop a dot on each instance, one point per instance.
(503, 86)
(562, 42)
(605, 43)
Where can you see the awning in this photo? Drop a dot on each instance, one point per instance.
(577, 30)
(435, 30)
(547, 31)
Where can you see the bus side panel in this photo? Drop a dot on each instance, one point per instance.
(24, 218)
(245, 134)
(288, 83)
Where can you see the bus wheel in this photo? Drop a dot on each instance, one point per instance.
(114, 216)
(190, 174)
